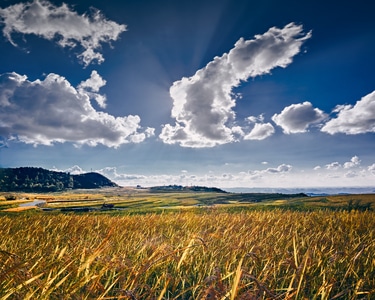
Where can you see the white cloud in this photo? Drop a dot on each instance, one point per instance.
(203, 104)
(112, 173)
(237, 131)
(371, 168)
(260, 131)
(333, 166)
(52, 110)
(75, 170)
(298, 117)
(356, 119)
(94, 83)
(282, 176)
(354, 162)
(254, 119)
(62, 25)
(92, 86)
(351, 174)
(3, 142)
(226, 179)
(283, 168)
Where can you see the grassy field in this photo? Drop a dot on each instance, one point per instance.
(303, 248)
(142, 200)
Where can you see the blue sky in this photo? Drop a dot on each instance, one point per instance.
(220, 93)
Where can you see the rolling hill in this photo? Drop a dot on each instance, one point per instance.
(30, 179)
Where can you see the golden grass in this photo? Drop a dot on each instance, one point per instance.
(15, 202)
(19, 208)
(207, 255)
(138, 199)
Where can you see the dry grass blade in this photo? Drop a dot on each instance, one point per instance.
(236, 280)
(185, 253)
(20, 286)
(301, 278)
(85, 265)
(164, 290)
(46, 288)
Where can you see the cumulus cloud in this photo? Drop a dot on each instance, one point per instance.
(283, 168)
(92, 86)
(52, 110)
(284, 176)
(333, 166)
(356, 119)
(371, 168)
(298, 117)
(209, 179)
(75, 170)
(260, 131)
(354, 162)
(203, 103)
(61, 24)
(113, 174)
(94, 83)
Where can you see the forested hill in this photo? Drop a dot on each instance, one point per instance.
(180, 188)
(28, 179)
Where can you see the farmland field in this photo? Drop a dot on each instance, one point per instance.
(267, 250)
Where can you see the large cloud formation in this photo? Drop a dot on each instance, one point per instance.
(62, 25)
(356, 119)
(298, 117)
(52, 110)
(203, 104)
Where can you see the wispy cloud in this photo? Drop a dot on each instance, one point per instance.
(52, 110)
(298, 117)
(203, 104)
(355, 119)
(62, 25)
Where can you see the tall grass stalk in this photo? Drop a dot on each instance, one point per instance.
(185, 255)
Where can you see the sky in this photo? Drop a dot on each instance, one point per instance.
(256, 94)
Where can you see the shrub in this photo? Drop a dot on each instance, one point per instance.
(10, 197)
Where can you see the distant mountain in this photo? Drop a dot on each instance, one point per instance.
(29, 179)
(317, 191)
(180, 188)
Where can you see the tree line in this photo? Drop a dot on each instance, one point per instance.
(31, 179)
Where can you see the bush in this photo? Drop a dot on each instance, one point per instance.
(10, 197)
